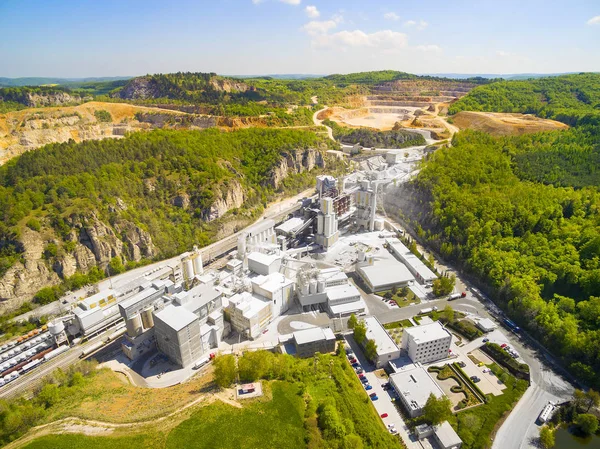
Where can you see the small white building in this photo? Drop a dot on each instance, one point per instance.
(446, 437)
(386, 347)
(486, 325)
(316, 339)
(413, 384)
(426, 343)
(264, 264)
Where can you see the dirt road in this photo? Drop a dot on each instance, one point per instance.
(320, 123)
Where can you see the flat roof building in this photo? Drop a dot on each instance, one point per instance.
(276, 288)
(413, 384)
(420, 271)
(264, 264)
(486, 325)
(310, 341)
(177, 333)
(426, 343)
(385, 275)
(249, 313)
(386, 347)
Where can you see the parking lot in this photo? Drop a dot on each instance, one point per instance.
(384, 403)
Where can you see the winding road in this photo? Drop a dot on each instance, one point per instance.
(320, 123)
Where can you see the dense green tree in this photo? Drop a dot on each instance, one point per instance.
(225, 370)
(587, 423)
(352, 321)
(371, 350)
(547, 439)
(360, 332)
(437, 410)
(443, 285)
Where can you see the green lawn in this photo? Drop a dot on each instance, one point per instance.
(402, 301)
(271, 424)
(395, 324)
(315, 403)
(77, 441)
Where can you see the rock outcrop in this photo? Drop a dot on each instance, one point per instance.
(229, 197)
(293, 163)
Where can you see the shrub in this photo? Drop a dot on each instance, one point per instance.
(34, 224)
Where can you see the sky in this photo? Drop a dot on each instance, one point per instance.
(87, 38)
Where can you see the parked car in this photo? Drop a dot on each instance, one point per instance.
(475, 379)
(503, 345)
(349, 351)
(361, 376)
(368, 387)
(485, 340)
(384, 415)
(355, 365)
(373, 394)
(364, 380)
(507, 348)
(462, 364)
(480, 364)
(353, 360)
(393, 431)
(359, 371)
(385, 386)
(374, 398)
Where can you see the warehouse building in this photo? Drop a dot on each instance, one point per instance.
(384, 275)
(310, 341)
(249, 314)
(413, 384)
(415, 265)
(426, 343)
(387, 349)
(275, 288)
(177, 332)
(264, 264)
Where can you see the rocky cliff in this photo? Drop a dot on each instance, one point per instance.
(293, 163)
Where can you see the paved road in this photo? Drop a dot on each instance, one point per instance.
(520, 430)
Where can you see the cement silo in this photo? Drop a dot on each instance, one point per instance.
(147, 318)
(188, 268)
(198, 268)
(134, 325)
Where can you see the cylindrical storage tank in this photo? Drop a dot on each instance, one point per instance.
(320, 285)
(304, 289)
(313, 286)
(134, 325)
(188, 268)
(198, 268)
(147, 318)
(56, 327)
(360, 256)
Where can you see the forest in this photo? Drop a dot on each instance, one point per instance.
(52, 187)
(371, 138)
(536, 245)
(571, 99)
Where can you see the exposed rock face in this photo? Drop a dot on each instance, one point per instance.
(231, 197)
(228, 85)
(23, 280)
(51, 99)
(182, 200)
(295, 162)
(140, 88)
(138, 242)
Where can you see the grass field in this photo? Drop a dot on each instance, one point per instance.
(500, 124)
(291, 414)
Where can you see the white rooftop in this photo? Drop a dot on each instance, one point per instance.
(249, 304)
(446, 435)
(313, 334)
(427, 332)
(486, 323)
(259, 227)
(272, 282)
(333, 275)
(339, 292)
(176, 317)
(386, 272)
(416, 263)
(87, 302)
(375, 331)
(290, 225)
(348, 307)
(415, 384)
(264, 259)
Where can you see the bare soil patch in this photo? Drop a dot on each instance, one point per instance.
(501, 124)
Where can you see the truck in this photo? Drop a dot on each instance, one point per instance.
(511, 325)
(547, 412)
(426, 310)
(454, 296)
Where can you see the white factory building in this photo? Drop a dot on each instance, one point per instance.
(327, 224)
(415, 265)
(329, 289)
(260, 235)
(414, 385)
(426, 343)
(384, 275)
(264, 264)
(387, 349)
(249, 314)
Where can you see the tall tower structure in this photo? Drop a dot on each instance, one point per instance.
(327, 224)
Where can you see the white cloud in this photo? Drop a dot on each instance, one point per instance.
(256, 2)
(503, 54)
(420, 25)
(291, 2)
(384, 40)
(594, 21)
(316, 27)
(312, 12)
(338, 18)
(391, 16)
(429, 48)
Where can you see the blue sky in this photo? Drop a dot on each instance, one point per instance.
(131, 37)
